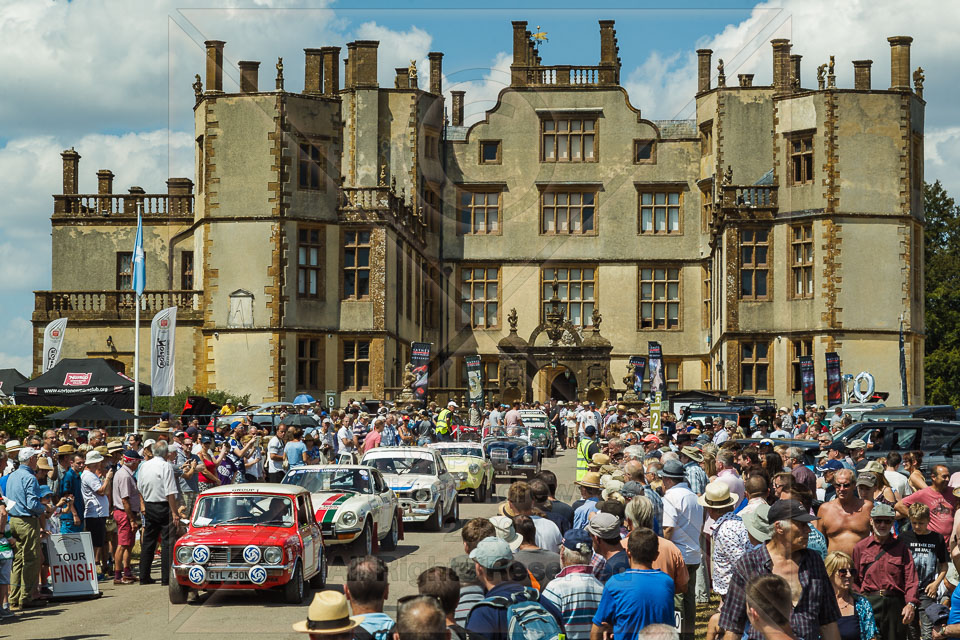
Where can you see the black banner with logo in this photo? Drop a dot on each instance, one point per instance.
(474, 380)
(639, 364)
(834, 380)
(808, 380)
(655, 361)
(420, 359)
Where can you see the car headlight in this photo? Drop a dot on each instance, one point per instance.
(422, 495)
(528, 457)
(474, 468)
(273, 555)
(184, 554)
(348, 519)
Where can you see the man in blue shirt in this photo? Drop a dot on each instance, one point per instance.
(367, 588)
(590, 490)
(636, 598)
(70, 486)
(492, 558)
(24, 490)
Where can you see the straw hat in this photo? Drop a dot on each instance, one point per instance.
(328, 614)
(599, 459)
(718, 496)
(591, 479)
(65, 449)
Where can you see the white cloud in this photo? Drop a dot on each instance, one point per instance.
(397, 49)
(482, 84)
(14, 332)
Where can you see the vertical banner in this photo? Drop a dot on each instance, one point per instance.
(655, 361)
(162, 333)
(834, 381)
(420, 359)
(53, 343)
(808, 380)
(639, 364)
(903, 368)
(474, 382)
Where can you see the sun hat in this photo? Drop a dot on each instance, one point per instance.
(882, 510)
(43, 491)
(93, 457)
(612, 486)
(492, 553)
(672, 469)
(632, 489)
(44, 463)
(857, 444)
(604, 526)
(328, 614)
(506, 532)
(66, 449)
(590, 479)
(599, 459)
(717, 496)
(757, 524)
(693, 453)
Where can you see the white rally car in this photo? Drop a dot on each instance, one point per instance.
(426, 490)
(353, 505)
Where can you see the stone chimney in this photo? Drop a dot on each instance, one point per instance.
(214, 65)
(703, 69)
(362, 64)
(436, 72)
(521, 54)
(312, 71)
(104, 181)
(795, 71)
(179, 186)
(331, 70)
(900, 63)
(609, 53)
(746, 79)
(861, 74)
(71, 164)
(456, 108)
(403, 78)
(249, 70)
(781, 66)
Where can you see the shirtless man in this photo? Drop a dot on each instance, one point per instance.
(846, 520)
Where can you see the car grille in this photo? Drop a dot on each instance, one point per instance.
(499, 456)
(226, 555)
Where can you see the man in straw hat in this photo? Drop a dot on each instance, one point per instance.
(730, 539)
(328, 618)
(591, 490)
(24, 491)
(682, 522)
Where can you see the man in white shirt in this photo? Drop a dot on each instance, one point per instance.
(158, 488)
(95, 489)
(682, 523)
(275, 455)
(345, 438)
(898, 481)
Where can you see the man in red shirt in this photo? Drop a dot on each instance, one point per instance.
(939, 497)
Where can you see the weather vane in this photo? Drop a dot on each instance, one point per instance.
(540, 36)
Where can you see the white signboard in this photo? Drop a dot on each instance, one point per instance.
(72, 565)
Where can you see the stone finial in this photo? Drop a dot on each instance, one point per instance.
(596, 319)
(412, 70)
(279, 74)
(821, 76)
(918, 79)
(512, 320)
(383, 176)
(721, 76)
(831, 77)
(830, 67)
(198, 88)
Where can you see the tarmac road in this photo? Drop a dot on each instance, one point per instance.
(144, 612)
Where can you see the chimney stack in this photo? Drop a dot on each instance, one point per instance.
(104, 181)
(312, 71)
(861, 74)
(703, 69)
(249, 69)
(331, 70)
(781, 66)
(214, 65)
(403, 78)
(362, 64)
(900, 63)
(179, 186)
(71, 164)
(436, 72)
(795, 71)
(456, 108)
(521, 53)
(609, 53)
(746, 79)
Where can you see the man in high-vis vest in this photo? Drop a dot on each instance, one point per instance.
(585, 450)
(443, 421)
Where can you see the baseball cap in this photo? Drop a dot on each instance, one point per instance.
(590, 430)
(149, 443)
(857, 444)
(837, 446)
(767, 441)
(132, 454)
(44, 491)
(604, 526)
(789, 510)
(26, 453)
(830, 465)
(866, 479)
(758, 524)
(577, 540)
(492, 553)
(205, 438)
(882, 510)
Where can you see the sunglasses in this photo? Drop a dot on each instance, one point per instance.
(844, 572)
(843, 485)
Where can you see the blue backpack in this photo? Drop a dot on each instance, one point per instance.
(527, 619)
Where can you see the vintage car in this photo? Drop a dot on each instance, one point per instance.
(470, 467)
(250, 536)
(541, 431)
(353, 504)
(419, 477)
(265, 414)
(511, 451)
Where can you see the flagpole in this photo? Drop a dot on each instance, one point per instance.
(136, 367)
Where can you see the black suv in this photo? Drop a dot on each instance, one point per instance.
(939, 441)
(737, 409)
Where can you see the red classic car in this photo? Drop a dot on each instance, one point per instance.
(250, 536)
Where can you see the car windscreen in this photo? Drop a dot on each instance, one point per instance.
(243, 510)
(320, 480)
(402, 465)
(475, 452)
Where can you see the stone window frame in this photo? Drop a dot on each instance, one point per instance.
(653, 267)
(350, 358)
(468, 229)
(755, 361)
(187, 270)
(706, 208)
(430, 196)
(562, 116)
(311, 365)
(586, 319)
(581, 190)
(124, 270)
(637, 143)
(766, 266)
(431, 143)
(464, 322)
(654, 190)
(798, 346)
(706, 138)
(357, 245)
(307, 268)
(499, 157)
(802, 268)
(308, 160)
(807, 167)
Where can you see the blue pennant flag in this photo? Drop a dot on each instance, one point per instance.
(139, 269)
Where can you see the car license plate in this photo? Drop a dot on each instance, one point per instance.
(228, 576)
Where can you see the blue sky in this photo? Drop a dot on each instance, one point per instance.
(116, 84)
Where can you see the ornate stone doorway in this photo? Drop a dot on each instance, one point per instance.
(564, 386)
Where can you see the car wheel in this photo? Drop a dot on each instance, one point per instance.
(177, 592)
(293, 590)
(393, 536)
(319, 581)
(364, 544)
(455, 513)
(436, 521)
(480, 493)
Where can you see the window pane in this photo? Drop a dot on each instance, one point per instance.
(761, 282)
(588, 147)
(646, 220)
(588, 219)
(491, 313)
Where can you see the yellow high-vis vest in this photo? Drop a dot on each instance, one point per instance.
(583, 461)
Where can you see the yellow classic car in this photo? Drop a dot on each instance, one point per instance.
(470, 467)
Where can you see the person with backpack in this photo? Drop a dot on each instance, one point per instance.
(367, 588)
(509, 611)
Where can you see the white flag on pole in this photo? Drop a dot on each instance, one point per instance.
(162, 333)
(53, 343)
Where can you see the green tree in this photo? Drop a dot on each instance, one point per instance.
(942, 295)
